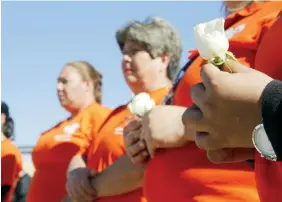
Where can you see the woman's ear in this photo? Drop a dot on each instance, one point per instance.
(3, 118)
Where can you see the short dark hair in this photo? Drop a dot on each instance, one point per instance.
(9, 125)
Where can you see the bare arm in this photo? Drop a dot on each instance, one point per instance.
(166, 129)
(76, 166)
(76, 162)
(119, 178)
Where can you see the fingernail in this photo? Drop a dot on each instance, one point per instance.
(145, 153)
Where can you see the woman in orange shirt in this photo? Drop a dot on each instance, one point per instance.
(151, 53)
(192, 177)
(11, 158)
(256, 104)
(79, 92)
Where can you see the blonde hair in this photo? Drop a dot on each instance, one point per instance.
(88, 72)
(157, 36)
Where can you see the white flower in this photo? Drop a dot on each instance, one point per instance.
(141, 104)
(211, 41)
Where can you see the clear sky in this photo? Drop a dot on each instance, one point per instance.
(38, 38)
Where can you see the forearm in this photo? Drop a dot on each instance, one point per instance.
(272, 115)
(119, 178)
(76, 162)
(177, 135)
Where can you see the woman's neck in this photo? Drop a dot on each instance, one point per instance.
(153, 86)
(2, 136)
(86, 103)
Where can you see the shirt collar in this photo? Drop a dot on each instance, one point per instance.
(245, 12)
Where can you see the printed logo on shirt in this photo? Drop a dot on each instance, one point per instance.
(233, 31)
(69, 130)
(118, 131)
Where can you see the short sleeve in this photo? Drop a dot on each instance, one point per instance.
(9, 169)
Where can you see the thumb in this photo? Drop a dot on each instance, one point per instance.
(230, 155)
(233, 66)
(208, 73)
(131, 126)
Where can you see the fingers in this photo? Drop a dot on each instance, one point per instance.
(86, 191)
(193, 118)
(206, 141)
(236, 67)
(131, 126)
(198, 95)
(147, 136)
(137, 152)
(151, 150)
(230, 155)
(208, 74)
(141, 158)
(131, 138)
(136, 148)
(79, 187)
(73, 194)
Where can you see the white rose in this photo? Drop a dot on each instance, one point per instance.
(141, 104)
(212, 42)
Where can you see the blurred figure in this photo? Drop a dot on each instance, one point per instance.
(79, 90)
(24, 181)
(9, 126)
(257, 105)
(151, 53)
(11, 160)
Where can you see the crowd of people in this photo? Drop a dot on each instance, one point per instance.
(214, 136)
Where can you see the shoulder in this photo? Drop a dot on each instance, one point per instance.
(54, 127)
(8, 148)
(98, 108)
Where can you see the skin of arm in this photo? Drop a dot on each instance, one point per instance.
(76, 162)
(163, 128)
(108, 182)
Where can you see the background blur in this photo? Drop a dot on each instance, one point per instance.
(38, 38)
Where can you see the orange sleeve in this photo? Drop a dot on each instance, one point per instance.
(243, 45)
(8, 169)
(269, 58)
(90, 125)
(267, 23)
(11, 165)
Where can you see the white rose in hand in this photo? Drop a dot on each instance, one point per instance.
(141, 104)
(212, 42)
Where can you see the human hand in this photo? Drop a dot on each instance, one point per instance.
(79, 186)
(226, 107)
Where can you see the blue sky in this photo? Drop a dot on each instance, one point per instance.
(38, 38)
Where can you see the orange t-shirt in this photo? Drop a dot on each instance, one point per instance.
(11, 165)
(56, 147)
(108, 146)
(185, 174)
(245, 30)
(269, 61)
